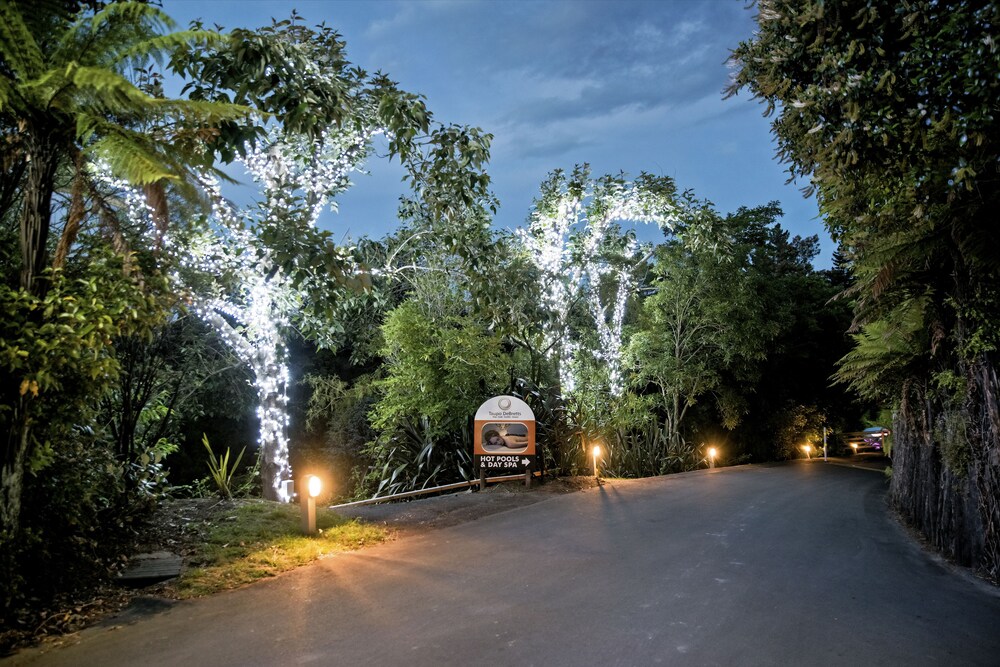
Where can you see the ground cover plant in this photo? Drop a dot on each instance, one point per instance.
(252, 540)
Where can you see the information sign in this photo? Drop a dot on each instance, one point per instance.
(504, 435)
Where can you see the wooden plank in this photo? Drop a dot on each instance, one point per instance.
(146, 569)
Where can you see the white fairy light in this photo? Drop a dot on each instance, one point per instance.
(249, 300)
(582, 220)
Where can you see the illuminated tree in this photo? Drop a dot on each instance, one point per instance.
(277, 268)
(567, 240)
(257, 299)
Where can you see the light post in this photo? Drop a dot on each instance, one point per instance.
(313, 487)
(711, 457)
(597, 452)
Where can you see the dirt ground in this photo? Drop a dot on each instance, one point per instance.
(456, 508)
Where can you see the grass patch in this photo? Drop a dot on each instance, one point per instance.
(260, 539)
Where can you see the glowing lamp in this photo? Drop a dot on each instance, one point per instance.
(712, 452)
(597, 453)
(808, 450)
(313, 487)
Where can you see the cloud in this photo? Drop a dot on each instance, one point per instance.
(591, 60)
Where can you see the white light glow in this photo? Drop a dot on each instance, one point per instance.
(568, 241)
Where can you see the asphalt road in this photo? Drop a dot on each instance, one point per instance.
(788, 565)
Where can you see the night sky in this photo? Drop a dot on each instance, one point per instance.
(625, 86)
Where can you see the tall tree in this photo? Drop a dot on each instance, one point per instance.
(569, 239)
(890, 109)
(66, 102)
(703, 329)
(281, 270)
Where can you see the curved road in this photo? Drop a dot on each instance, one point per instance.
(786, 565)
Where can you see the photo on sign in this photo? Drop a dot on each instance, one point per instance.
(503, 438)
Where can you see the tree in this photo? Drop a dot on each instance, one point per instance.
(809, 337)
(66, 102)
(890, 109)
(569, 239)
(278, 269)
(703, 329)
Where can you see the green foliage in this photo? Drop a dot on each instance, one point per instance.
(56, 349)
(556, 433)
(57, 360)
(415, 455)
(77, 513)
(220, 470)
(439, 366)
(885, 352)
(310, 87)
(644, 450)
(890, 109)
(704, 320)
(797, 426)
(147, 475)
(339, 411)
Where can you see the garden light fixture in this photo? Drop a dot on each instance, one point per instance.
(314, 485)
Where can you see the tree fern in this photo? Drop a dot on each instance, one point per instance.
(885, 352)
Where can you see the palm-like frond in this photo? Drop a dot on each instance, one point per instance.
(75, 96)
(163, 44)
(884, 350)
(18, 48)
(132, 159)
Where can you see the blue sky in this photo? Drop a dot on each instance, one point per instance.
(625, 86)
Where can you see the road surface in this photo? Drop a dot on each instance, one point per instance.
(797, 564)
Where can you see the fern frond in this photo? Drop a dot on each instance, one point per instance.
(8, 95)
(132, 159)
(883, 350)
(162, 44)
(131, 13)
(18, 48)
(205, 112)
(109, 90)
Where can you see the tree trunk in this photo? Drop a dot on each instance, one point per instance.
(946, 470)
(36, 214)
(72, 228)
(12, 471)
(271, 375)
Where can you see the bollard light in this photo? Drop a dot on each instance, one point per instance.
(808, 451)
(314, 485)
(711, 457)
(597, 452)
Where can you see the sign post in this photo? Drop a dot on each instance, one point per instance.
(504, 438)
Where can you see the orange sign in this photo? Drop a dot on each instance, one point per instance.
(505, 426)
